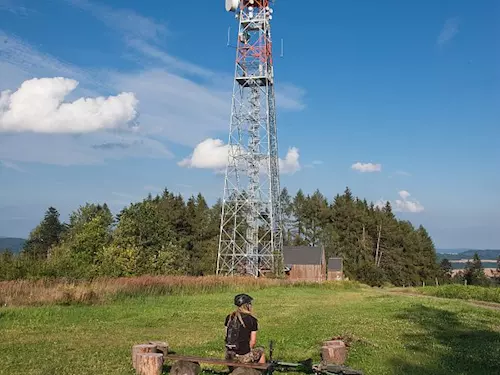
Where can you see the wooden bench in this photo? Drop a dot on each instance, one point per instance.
(148, 359)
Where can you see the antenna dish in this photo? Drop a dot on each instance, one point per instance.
(232, 5)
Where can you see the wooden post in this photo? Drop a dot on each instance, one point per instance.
(150, 364)
(334, 352)
(140, 349)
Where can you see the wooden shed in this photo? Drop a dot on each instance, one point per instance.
(335, 269)
(304, 263)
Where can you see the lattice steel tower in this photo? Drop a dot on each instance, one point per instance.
(251, 237)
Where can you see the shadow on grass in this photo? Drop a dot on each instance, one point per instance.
(453, 347)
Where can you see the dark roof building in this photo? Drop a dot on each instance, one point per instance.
(304, 263)
(335, 269)
(305, 255)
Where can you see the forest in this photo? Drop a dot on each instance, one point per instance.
(167, 235)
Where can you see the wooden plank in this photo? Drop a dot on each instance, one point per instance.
(216, 361)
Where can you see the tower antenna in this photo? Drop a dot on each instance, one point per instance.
(251, 237)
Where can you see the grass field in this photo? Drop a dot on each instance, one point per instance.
(466, 292)
(394, 334)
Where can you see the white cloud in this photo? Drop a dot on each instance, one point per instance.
(380, 203)
(209, 154)
(20, 62)
(405, 204)
(213, 154)
(366, 167)
(404, 194)
(180, 102)
(408, 206)
(291, 163)
(449, 31)
(38, 106)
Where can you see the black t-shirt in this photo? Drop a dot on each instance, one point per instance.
(250, 325)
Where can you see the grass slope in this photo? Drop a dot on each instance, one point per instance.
(396, 334)
(466, 292)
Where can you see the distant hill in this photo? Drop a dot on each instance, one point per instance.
(14, 244)
(468, 254)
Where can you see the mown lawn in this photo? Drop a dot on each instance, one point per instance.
(395, 334)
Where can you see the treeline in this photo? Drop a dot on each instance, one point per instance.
(163, 235)
(167, 235)
(472, 274)
(375, 245)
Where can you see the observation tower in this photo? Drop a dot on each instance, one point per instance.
(251, 237)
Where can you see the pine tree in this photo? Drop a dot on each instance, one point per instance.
(44, 236)
(388, 210)
(200, 246)
(427, 256)
(286, 216)
(348, 229)
(315, 214)
(474, 272)
(299, 207)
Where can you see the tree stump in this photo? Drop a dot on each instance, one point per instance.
(245, 371)
(334, 352)
(185, 368)
(140, 349)
(150, 364)
(161, 346)
(334, 343)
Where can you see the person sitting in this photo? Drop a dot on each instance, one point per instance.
(241, 333)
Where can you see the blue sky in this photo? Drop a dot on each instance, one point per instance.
(399, 101)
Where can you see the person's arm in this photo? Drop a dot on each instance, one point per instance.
(253, 339)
